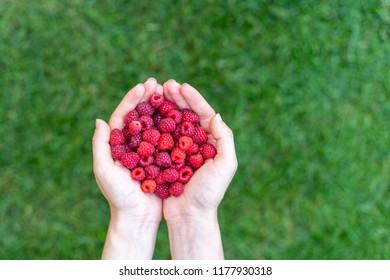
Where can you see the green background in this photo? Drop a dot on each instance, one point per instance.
(304, 85)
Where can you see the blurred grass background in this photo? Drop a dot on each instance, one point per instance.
(303, 84)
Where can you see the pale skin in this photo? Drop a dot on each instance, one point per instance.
(192, 217)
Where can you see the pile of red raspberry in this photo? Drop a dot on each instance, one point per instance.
(161, 145)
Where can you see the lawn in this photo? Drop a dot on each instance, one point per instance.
(304, 85)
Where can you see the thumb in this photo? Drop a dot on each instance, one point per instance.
(226, 154)
(101, 150)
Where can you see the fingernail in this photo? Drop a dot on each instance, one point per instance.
(219, 118)
(97, 124)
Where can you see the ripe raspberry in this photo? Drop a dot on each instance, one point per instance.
(176, 189)
(116, 137)
(176, 133)
(185, 143)
(152, 171)
(146, 122)
(179, 165)
(208, 151)
(138, 174)
(175, 115)
(118, 151)
(187, 129)
(157, 118)
(145, 149)
(189, 116)
(170, 175)
(193, 150)
(159, 179)
(167, 125)
(166, 107)
(148, 186)
(131, 116)
(200, 135)
(166, 141)
(151, 136)
(185, 174)
(156, 100)
(135, 127)
(135, 140)
(178, 155)
(162, 191)
(196, 161)
(130, 160)
(163, 159)
(145, 109)
(145, 161)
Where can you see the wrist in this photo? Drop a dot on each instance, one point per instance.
(195, 236)
(130, 237)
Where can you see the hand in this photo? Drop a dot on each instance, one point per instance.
(134, 216)
(192, 217)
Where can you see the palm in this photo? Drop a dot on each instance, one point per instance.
(126, 195)
(202, 192)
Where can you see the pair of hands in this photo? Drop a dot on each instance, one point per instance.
(192, 217)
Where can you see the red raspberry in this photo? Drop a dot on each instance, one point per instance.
(157, 118)
(208, 151)
(163, 159)
(185, 174)
(176, 133)
(159, 179)
(189, 116)
(135, 140)
(145, 161)
(176, 189)
(146, 122)
(185, 143)
(156, 100)
(118, 151)
(151, 136)
(167, 125)
(170, 175)
(148, 186)
(130, 160)
(134, 127)
(117, 137)
(131, 116)
(166, 107)
(178, 165)
(187, 129)
(193, 150)
(166, 141)
(174, 115)
(152, 171)
(145, 149)
(178, 155)
(196, 161)
(138, 174)
(145, 109)
(162, 191)
(200, 135)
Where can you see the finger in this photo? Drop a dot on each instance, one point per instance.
(197, 103)
(150, 88)
(128, 103)
(224, 141)
(101, 150)
(172, 91)
(159, 89)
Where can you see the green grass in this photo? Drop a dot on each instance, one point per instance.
(303, 85)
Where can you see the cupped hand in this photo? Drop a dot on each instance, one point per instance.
(122, 192)
(205, 190)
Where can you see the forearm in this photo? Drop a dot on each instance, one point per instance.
(129, 238)
(195, 237)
